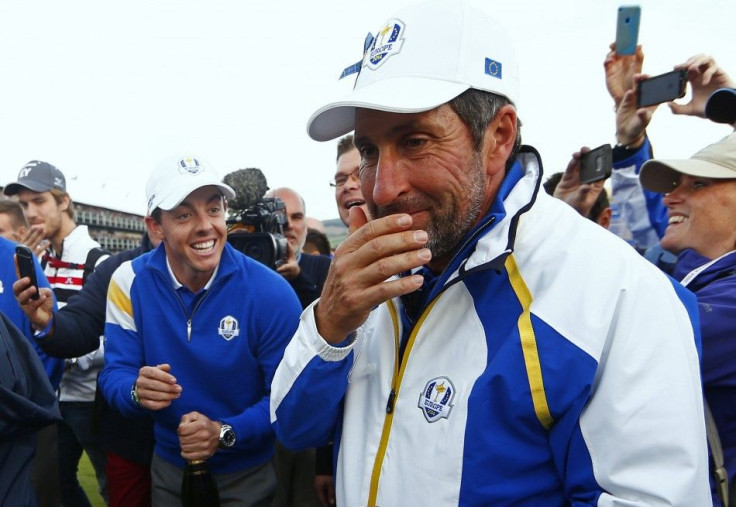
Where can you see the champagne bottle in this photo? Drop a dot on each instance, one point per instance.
(198, 487)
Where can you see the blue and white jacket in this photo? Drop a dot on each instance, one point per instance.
(223, 352)
(643, 210)
(552, 365)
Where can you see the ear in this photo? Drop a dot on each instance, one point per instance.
(499, 139)
(155, 231)
(604, 218)
(64, 203)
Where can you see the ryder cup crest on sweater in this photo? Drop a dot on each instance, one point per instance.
(229, 328)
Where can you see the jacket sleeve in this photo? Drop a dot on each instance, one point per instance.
(79, 325)
(53, 365)
(642, 210)
(309, 387)
(640, 436)
(123, 345)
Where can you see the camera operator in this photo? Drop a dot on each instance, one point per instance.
(306, 274)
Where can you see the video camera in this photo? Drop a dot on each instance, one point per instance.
(256, 228)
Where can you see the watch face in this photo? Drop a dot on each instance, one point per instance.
(227, 436)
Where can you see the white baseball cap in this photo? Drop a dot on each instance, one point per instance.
(177, 177)
(422, 57)
(717, 161)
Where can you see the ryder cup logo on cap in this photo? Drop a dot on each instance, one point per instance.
(424, 56)
(388, 42)
(190, 165)
(177, 177)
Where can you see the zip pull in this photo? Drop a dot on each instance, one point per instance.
(391, 400)
(189, 330)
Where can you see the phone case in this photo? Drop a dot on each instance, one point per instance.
(627, 29)
(663, 88)
(26, 266)
(596, 164)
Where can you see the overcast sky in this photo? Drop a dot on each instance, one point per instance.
(105, 90)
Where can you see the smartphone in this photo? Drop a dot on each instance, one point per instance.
(26, 267)
(627, 29)
(596, 164)
(663, 88)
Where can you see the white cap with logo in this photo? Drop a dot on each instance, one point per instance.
(177, 177)
(421, 58)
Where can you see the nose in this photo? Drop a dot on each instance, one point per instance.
(30, 211)
(204, 222)
(673, 197)
(353, 181)
(389, 179)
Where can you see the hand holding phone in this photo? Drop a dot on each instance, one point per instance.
(26, 267)
(596, 164)
(663, 88)
(627, 29)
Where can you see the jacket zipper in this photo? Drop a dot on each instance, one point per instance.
(194, 310)
(394, 393)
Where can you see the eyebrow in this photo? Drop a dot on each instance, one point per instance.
(217, 196)
(409, 126)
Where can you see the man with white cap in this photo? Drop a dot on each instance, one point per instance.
(478, 342)
(195, 330)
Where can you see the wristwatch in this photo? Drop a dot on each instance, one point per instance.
(227, 436)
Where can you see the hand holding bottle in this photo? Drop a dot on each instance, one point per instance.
(199, 436)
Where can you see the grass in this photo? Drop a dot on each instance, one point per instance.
(88, 480)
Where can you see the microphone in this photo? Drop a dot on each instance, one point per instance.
(249, 185)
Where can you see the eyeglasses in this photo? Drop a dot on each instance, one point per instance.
(341, 179)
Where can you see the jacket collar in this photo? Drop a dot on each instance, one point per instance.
(226, 267)
(487, 245)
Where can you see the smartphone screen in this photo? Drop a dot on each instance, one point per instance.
(26, 266)
(627, 29)
(596, 164)
(663, 88)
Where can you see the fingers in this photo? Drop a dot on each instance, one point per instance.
(34, 239)
(325, 488)
(356, 219)
(198, 436)
(357, 280)
(157, 388)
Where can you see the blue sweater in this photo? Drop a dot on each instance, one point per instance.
(54, 367)
(223, 352)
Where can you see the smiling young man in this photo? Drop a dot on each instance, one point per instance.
(194, 332)
(468, 347)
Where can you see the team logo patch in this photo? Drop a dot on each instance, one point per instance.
(436, 399)
(190, 165)
(387, 43)
(229, 328)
